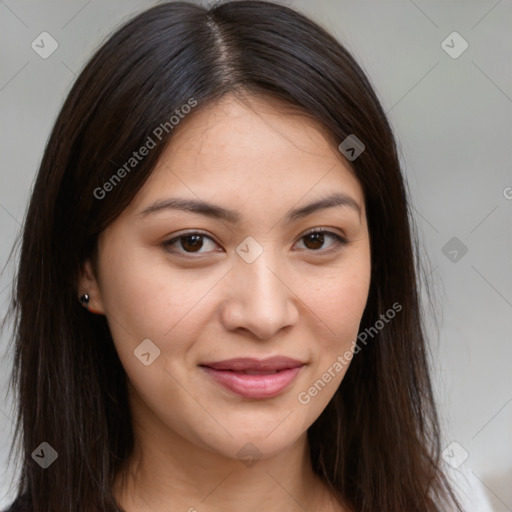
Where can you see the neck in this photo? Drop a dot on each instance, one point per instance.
(167, 472)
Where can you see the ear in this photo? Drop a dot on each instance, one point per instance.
(88, 283)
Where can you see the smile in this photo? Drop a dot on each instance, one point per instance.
(251, 378)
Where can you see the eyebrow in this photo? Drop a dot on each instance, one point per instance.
(232, 216)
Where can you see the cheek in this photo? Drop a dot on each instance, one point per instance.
(339, 306)
(145, 298)
(340, 301)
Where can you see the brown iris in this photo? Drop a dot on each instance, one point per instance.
(195, 244)
(315, 238)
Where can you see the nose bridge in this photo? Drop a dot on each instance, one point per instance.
(260, 300)
(264, 283)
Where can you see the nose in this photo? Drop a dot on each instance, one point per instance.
(260, 298)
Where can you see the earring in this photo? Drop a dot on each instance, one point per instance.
(84, 299)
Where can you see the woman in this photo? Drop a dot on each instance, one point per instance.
(216, 305)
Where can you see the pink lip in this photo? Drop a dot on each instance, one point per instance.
(232, 375)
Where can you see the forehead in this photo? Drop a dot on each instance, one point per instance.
(256, 148)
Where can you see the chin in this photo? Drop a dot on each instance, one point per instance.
(250, 444)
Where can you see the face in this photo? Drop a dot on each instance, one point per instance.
(236, 322)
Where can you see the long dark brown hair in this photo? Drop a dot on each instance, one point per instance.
(377, 443)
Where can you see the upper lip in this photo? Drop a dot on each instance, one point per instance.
(247, 363)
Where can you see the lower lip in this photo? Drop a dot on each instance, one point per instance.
(254, 386)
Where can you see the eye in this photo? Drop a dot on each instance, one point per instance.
(190, 242)
(315, 238)
(193, 241)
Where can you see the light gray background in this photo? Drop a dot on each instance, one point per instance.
(453, 120)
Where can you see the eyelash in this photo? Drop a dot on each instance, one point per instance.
(339, 241)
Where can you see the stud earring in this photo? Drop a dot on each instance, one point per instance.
(84, 299)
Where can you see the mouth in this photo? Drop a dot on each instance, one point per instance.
(253, 378)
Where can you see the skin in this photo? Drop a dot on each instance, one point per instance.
(208, 304)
